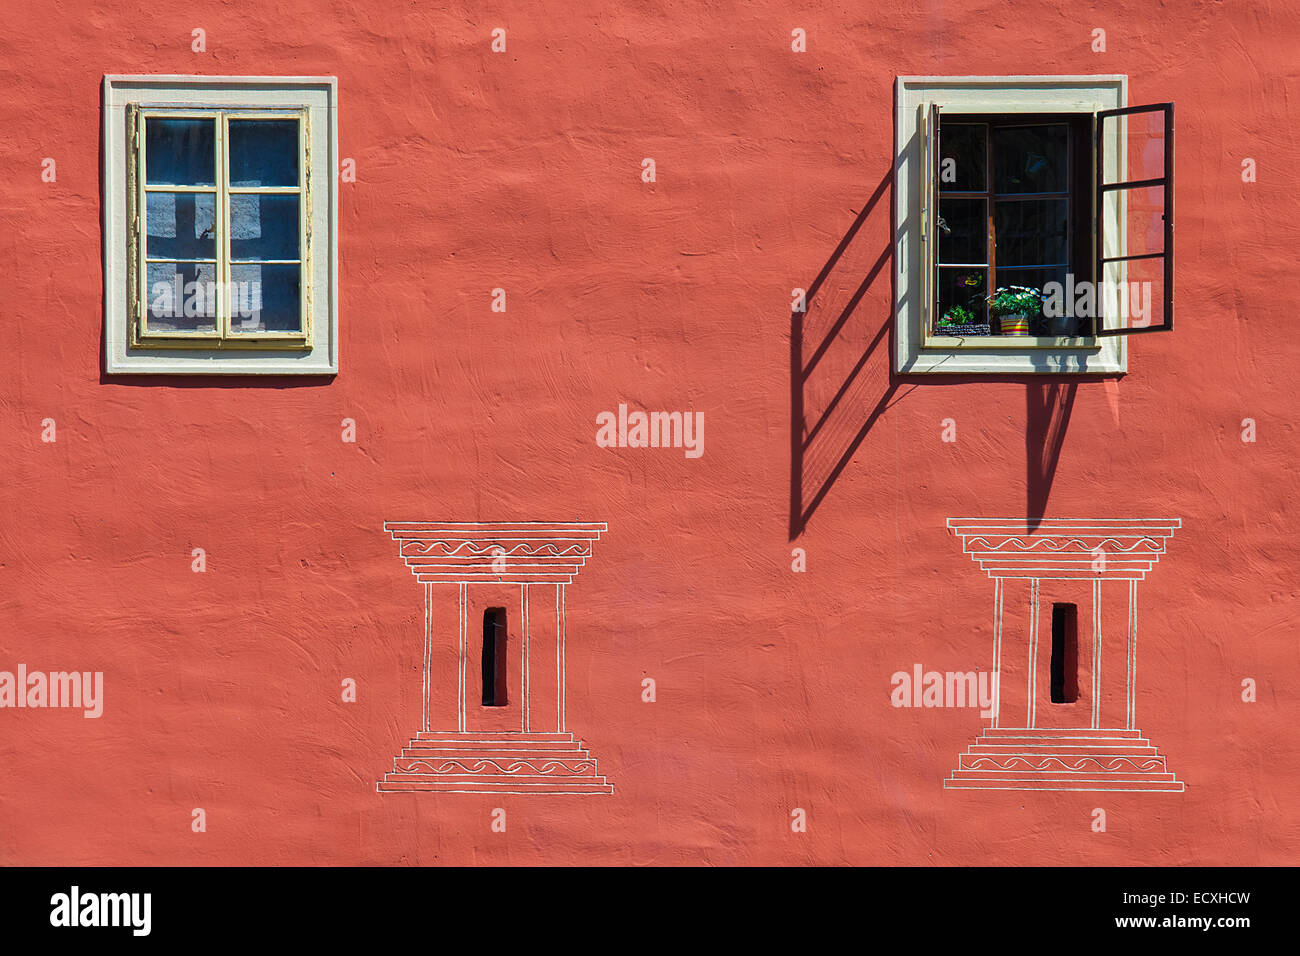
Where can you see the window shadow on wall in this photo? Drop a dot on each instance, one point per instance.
(842, 379)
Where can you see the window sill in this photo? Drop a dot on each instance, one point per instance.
(994, 359)
(985, 342)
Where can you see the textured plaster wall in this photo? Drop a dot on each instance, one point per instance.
(522, 171)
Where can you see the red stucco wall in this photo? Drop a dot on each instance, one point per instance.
(522, 171)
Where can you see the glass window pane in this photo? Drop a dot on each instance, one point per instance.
(1144, 211)
(1031, 159)
(963, 230)
(180, 225)
(263, 152)
(263, 227)
(965, 288)
(963, 157)
(180, 297)
(1055, 299)
(1031, 232)
(265, 298)
(179, 152)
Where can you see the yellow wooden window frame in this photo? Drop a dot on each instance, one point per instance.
(224, 335)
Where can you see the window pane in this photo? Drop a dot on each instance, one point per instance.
(966, 238)
(1031, 232)
(1144, 211)
(1039, 322)
(1031, 159)
(965, 288)
(963, 157)
(265, 298)
(263, 152)
(181, 297)
(180, 225)
(179, 152)
(1138, 301)
(263, 227)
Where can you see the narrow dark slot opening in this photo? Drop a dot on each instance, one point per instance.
(1065, 653)
(494, 657)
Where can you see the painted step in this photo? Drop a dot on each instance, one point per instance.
(506, 735)
(982, 750)
(1046, 782)
(489, 767)
(979, 773)
(573, 785)
(429, 753)
(1054, 733)
(467, 779)
(1038, 743)
(559, 746)
(1070, 764)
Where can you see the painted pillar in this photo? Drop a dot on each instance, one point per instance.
(1096, 653)
(997, 649)
(1033, 651)
(464, 637)
(428, 651)
(523, 618)
(1131, 682)
(559, 657)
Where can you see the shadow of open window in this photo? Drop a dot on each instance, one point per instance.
(842, 378)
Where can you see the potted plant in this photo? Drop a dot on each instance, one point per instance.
(959, 320)
(1014, 306)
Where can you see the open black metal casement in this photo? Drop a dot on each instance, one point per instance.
(1117, 191)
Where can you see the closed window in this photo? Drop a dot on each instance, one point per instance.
(222, 247)
(220, 214)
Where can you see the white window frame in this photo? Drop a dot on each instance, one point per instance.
(914, 96)
(318, 97)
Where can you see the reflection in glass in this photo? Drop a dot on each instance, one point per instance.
(1031, 232)
(266, 298)
(963, 157)
(963, 230)
(179, 152)
(180, 225)
(180, 296)
(1031, 159)
(263, 226)
(263, 152)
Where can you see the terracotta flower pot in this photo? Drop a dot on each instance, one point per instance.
(1014, 324)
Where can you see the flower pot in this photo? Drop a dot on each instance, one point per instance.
(1014, 324)
(972, 329)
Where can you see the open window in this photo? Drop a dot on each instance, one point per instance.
(1035, 223)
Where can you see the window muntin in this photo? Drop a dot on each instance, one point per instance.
(222, 229)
